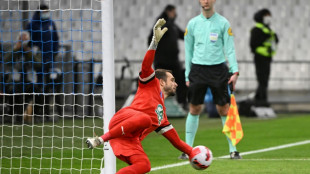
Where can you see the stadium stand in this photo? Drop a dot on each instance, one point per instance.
(57, 145)
(290, 69)
(133, 18)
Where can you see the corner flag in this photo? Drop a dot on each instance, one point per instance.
(232, 128)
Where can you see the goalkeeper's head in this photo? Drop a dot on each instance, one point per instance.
(167, 82)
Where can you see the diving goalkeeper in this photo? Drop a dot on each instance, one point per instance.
(147, 113)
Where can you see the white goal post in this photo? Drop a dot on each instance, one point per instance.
(108, 79)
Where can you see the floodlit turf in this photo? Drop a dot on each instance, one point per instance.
(59, 155)
(246, 166)
(258, 134)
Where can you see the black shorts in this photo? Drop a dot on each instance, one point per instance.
(202, 77)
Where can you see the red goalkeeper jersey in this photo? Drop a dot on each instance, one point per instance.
(149, 98)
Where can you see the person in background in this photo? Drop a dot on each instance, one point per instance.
(1, 82)
(20, 66)
(1, 76)
(167, 54)
(263, 41)
(208, 41)
(43, 34)
(210, 107)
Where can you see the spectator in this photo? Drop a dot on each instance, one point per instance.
(1, 49)
(20, 66)
(167, 52)
(263, 43)
(210, 106)
(43, 34)
(1, 76)
(1, 82)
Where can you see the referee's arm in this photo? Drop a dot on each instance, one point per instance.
(189, 50)
(229, 48)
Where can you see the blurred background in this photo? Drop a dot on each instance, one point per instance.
(79, 59)
(51, 83)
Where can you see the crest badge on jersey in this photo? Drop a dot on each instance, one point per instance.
(160, 113)
(230, 33)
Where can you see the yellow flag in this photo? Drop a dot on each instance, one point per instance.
(232, 128)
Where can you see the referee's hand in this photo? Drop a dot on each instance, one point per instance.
(233, 80)
(187, 83)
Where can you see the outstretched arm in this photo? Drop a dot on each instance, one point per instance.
(147, 71)
(171, 134)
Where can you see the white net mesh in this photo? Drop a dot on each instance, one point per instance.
(50, 86)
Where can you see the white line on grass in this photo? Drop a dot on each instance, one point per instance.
(170, 165)
(268, 159)
(271, 148)
(243, 154)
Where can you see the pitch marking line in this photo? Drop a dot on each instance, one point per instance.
(271, 148)
(279, 159)
(243, 154)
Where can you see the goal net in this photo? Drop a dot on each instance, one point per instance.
(51, 86)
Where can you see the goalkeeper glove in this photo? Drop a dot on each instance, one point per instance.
(158, 32)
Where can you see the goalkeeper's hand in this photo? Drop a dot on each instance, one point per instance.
(157, 31)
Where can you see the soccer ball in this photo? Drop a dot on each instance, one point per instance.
(201, 157)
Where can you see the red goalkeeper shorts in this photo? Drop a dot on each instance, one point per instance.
(128, 144)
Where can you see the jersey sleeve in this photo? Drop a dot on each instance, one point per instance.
(164, 127)
(229, 48)
(175, 140)
(189, 41)
(147, 73)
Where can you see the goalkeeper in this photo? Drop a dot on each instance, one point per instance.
(146, 114)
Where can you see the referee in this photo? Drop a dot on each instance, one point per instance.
(208, 40)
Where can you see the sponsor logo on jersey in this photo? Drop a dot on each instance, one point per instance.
(160, 113)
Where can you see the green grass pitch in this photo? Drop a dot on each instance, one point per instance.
(69, 155)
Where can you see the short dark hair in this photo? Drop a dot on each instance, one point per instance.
(162, 74)
(169, 7)
(43, 7)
